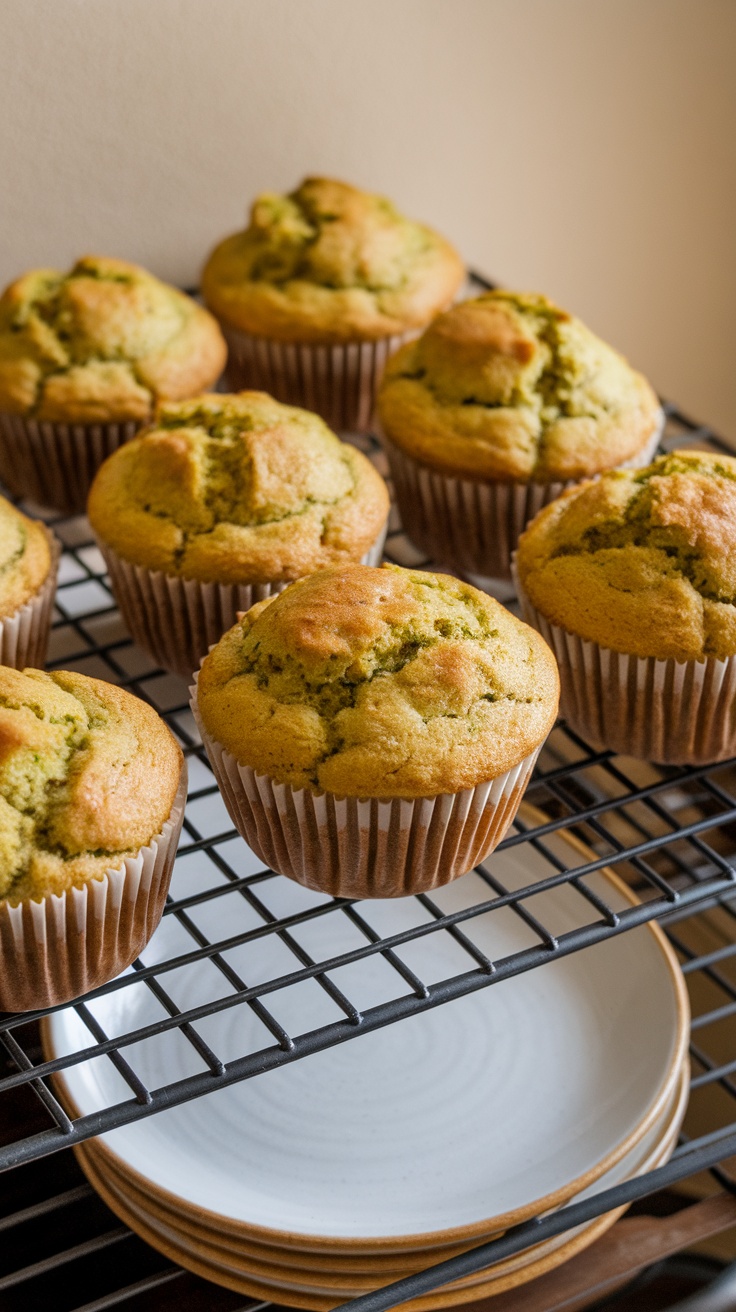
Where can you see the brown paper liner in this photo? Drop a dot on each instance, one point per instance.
(24, 635)
(338, 382)
(177, 620)
(61, 947)
(472, 525)
(670, 712)
(354, 848)
(54, 464)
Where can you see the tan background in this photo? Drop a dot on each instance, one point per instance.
(581, 147)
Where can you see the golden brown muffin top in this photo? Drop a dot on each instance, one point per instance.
(102, 343)
(25, 557)
(642, 561)
(379, 683)
(509, 387)
(88, 775)
(330, 263)
(237, 489)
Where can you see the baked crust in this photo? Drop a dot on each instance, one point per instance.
(379, 683)
(330, 263)
(102, 343)
(237, 489)
(508, 387)
(88, 775)
(641, 561)
(25, 558)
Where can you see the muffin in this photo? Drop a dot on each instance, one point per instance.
(319, 289)
(92, 790)
(493, 411)
(373, 730)
(632, 581)
(223, 502)
(29, 559)
(84, 359)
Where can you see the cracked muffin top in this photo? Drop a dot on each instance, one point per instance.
(379, 683)
(330, 263)
(88, 775)
(25, 557)
(509, 387)
(102, 343)
(237, 489)
(642, 561)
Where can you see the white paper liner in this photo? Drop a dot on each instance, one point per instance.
(54, 464)
(68, 943)
(338, 382)
(365, 848)
(666, 711)
(177, 620)
(24, 635)
(471, 525)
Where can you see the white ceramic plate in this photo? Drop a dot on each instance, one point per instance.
(187, 1228)
(239, 1271)
(454, 1123)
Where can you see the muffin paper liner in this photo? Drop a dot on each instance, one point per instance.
(471, 525)
(339, 382)
(177, 620)
(54, 464)
(667, 711)
(354, 848)
(24, 635)
(68, 943)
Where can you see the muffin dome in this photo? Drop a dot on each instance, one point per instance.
(641, 561)
(237, 489)
(510, 387)
(25, 557)
(88, 775)
(330, 263)
(379, 683)
(102, 343)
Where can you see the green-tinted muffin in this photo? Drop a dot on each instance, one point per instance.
(236, 490)
(642, 561)
(88, 775)
(104, 342)
(374, 683)
(329, 263)
(510, 387)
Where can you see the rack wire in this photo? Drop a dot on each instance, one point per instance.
(669, 832)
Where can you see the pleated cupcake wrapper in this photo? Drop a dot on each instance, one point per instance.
(177, 620)
(24, 635)
(68, 943)
(667, 711)
(470, 525)
(354, 848)
(54, 464)
(339, 382)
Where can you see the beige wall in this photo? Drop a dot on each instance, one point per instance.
(581, 147)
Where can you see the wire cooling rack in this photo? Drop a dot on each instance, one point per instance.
(670, 833)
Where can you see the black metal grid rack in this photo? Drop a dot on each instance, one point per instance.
(671, 833)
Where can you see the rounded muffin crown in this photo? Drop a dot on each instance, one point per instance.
(102, 343)
(642, 561)
(330, 263)
(510, 387)
(25, 557)
(88, 776)
(384, 682)
(237, 489)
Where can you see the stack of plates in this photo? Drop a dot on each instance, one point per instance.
(321, 1180)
